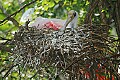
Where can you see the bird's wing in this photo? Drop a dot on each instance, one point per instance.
(41, 22)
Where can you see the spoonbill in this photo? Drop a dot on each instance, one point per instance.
(57, 24)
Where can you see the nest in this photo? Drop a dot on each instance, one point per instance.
(69, 52)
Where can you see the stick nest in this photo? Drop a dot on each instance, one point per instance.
(71, 52)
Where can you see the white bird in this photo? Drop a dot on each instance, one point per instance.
(71, 21)
(57, 24)
(27, 15)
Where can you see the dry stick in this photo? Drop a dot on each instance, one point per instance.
(35, 74)
(113, 56)
(114, 70)
(76, 60)
(19, 72)
(106, 58)
(117, 22)
(2, 70)
(7, 73)
(7, 18)
(2, 38)
(118, 17)
(88, 19)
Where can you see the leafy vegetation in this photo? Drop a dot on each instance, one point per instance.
(101, 20)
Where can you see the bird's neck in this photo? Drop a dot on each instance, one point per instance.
(73, 23)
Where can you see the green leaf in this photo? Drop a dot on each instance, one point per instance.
(2, 16)
(51, 4)
(87, 3)
(46, 8)
(15, 74)
(103, 10)
(57, 1)
(44, 2)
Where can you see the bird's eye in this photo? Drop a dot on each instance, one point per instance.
(74, 14)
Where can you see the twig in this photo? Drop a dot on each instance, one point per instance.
(7, 73)
(1, 38)
(88, 17)
(34, 74)
(113, 56)
(6, 14)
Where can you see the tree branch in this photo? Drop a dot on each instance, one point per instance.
(10, 16)
(6, 14)
(88, 17)
(7, 73)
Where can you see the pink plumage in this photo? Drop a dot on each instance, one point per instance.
(54, 24)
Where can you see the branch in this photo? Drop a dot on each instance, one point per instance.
(9, 17)
(113, 56)
(35, 74)
(88, 17)
(1, 38)
(117, 13)
(6, 14)
(7, 73)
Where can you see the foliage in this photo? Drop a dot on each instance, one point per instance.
(90, 12)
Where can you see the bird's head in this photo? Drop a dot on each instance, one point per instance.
(72, 18)
(71, 21)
